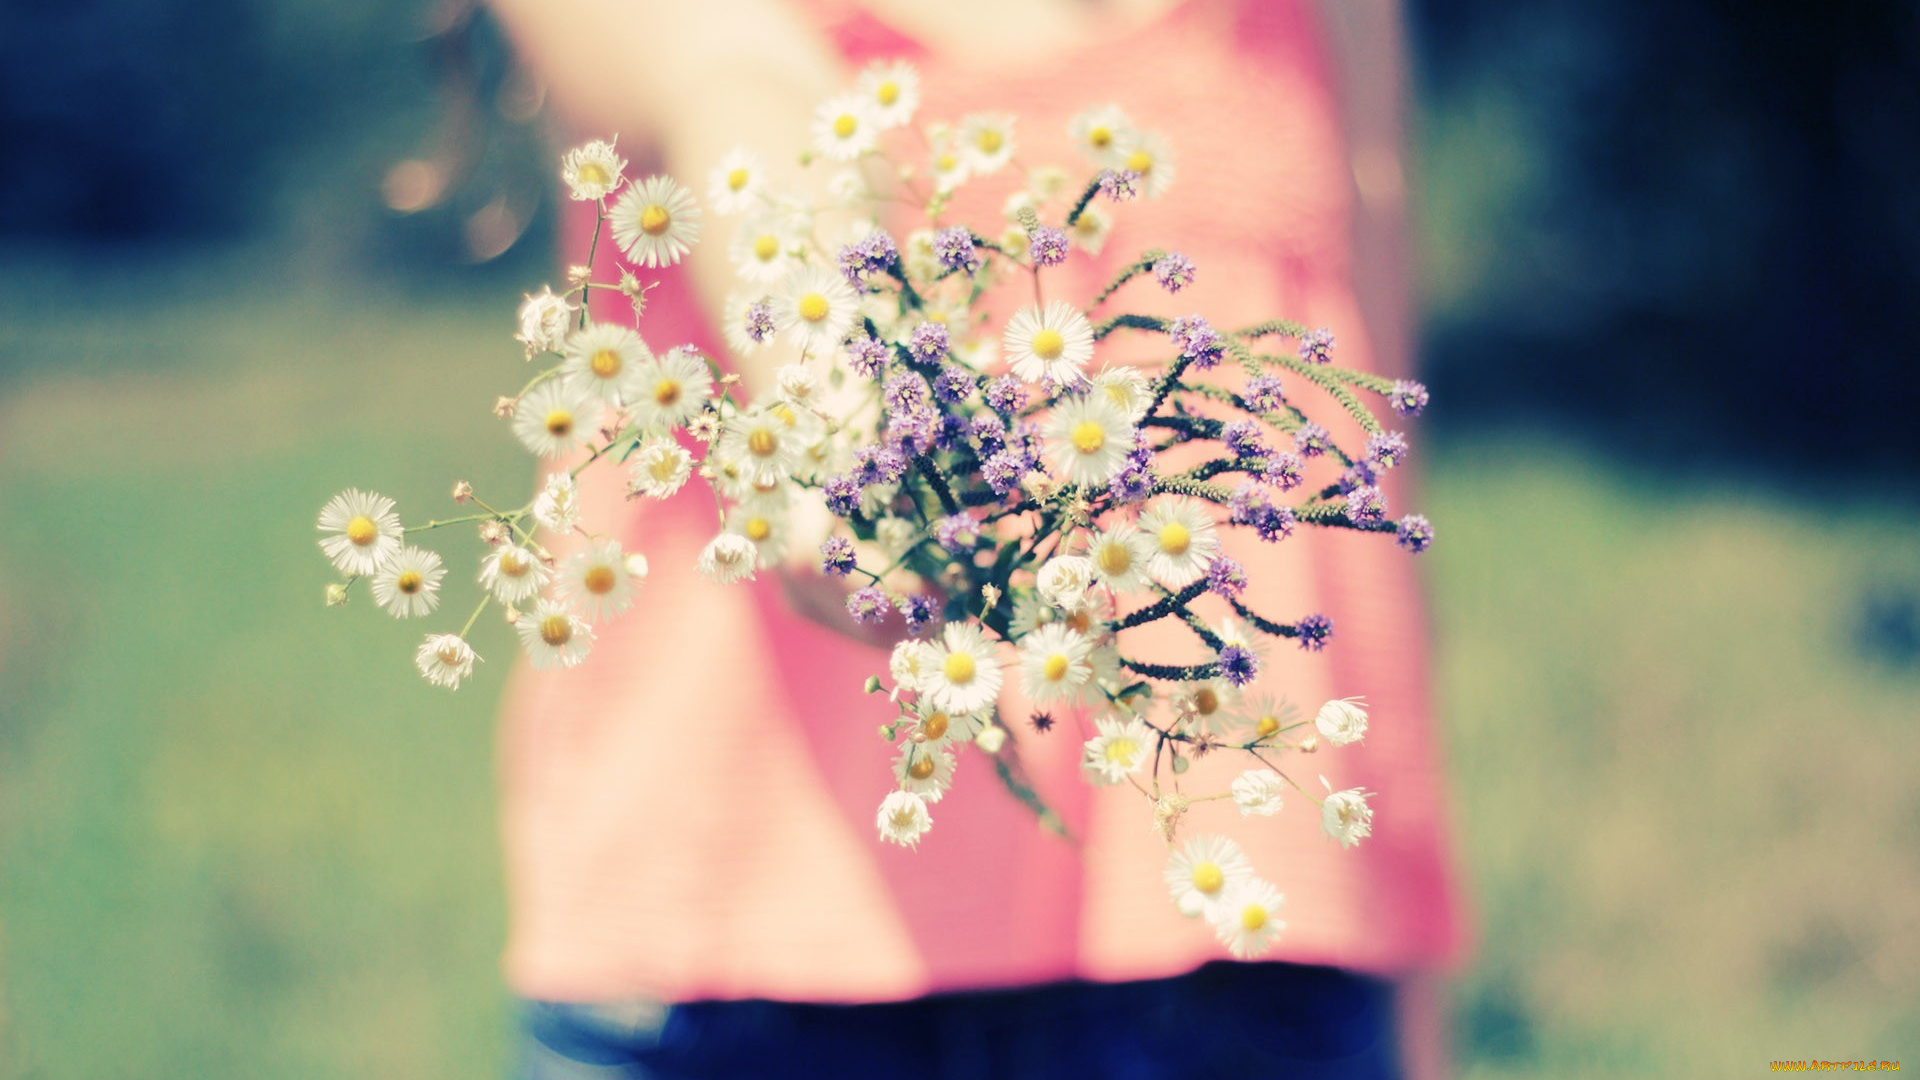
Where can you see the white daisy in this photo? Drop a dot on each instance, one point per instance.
(986, 140)
(964, 678)
(727, 558)
(892, 91)
(409, 583)
(555, 417)
(936, 727)
(366, 531)
(553, 636)
(1207, 703)
(1257, 792)
(558, 504)
(844, 127)
(1151, 156)
(1091, 229)
(1267, 715)
(1090, 439)
(909, 660)
(763, 443)
(1183, 538)
(903, 818)
(734, 185)
(797, 384)
(1247, 918)
(1200, 873)
(1127, 387)
(512, 574)
(1100, 133)
(1054, 343)
(592, 171)
(927, 771)
(658, 468)
(1118, 751)
(1063, 581)
(672, 389)
(766, 526)
(1053, 664)
(445, 659)
(762, 249)
(1047, 182)
(544, 319)
(595, 580)
(605, 360)
(1120, 553)
(947, 163)
(895, 535)
(1345, 815)
(918, 258)
(656, 222)
(815, 308)
(1343, 720)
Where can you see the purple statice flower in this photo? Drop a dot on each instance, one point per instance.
(836, 556)
(1238, 665)
(1316, 347)
(1407, 397)
(1134, 482)
(1005, 394)
(919, 611)
(988, 433)
(1226, 577)
(1262, 393)
(904, 391)
(1314, 632)
(877, 464)
(1173, 271)
(1366, 505)
(1249, 506)
(869, 605)
(1312, 440)
(758, 321)
(1047, 245)
(1284, 471)
(1243, 506)
(953, 385)
(1119, 185)
(956, 533)
(1198, 341)
(842, 494)
(869, 355)
(1275, 524)
(913, 430)
(862, 259)
(1004, 470)
(952, 433)
(955, 249)
(1387, 449)
(1359, 474)
(929, 342)
(1415, 533)
(1242, 438)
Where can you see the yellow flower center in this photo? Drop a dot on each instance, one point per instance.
(887, 93)
(512, 565)
(765, 247)
(813, 307)
(1253, 917)
(1174, 538)
(1087, 225)
(1140, 161)
(934, 726)
(1049, 343)
(1122, 751)
(1100, 137)
(737, 179)
(845, 125)
(556, 630)
(1079, 621)
(592, 174)
(605, 363)
(903, 818)
(946, 163)
(599, 580)
(1088, 437)
(766, 487)
(921, 768)
(785, 414)
(450, 655)
(1114, 558)
(1206, 701)
(1269, 725)
(1120, 394)
(758, 529)
(1056, 667)
(958, 668)
(362, 531)
(989, 141)
(762, 443)
(666, 393)
(1207, 877)
(655, 220)
(560, 423)
(664, 467)
(409, 582)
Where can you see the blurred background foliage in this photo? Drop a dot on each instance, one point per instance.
(250, 252)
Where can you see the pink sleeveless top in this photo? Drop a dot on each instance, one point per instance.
(690, 814)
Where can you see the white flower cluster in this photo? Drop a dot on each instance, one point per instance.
(988, 488)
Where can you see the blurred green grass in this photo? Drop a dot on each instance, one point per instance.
(239, 836)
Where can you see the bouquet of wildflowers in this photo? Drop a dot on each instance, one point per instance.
(1010, 509)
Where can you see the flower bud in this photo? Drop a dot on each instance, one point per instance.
(336, 594)
(991, 739)
(462, 492)
(873, 684)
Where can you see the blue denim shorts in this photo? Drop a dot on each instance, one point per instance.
(1237, 1021)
